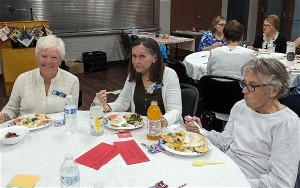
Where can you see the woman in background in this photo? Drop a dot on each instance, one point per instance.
(213, 38)
(270, 36)
(44, 89)
(148, 79)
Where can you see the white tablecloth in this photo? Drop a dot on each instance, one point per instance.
(196, 64)
(42, 153)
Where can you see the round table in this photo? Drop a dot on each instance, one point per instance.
(196, 64)
(42, 153)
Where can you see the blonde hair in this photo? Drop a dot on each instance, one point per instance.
(274, 20)
(215, 21)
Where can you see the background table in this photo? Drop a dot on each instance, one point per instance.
(196, 64)
(42, 153)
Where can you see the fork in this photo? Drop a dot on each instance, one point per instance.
(116, 92)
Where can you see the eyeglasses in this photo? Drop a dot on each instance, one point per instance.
(222, 24)
(267, 25)
(251, 87)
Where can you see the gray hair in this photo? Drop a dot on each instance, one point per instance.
(272, 71)
(51, 41)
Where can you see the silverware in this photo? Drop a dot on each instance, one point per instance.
(116, 92)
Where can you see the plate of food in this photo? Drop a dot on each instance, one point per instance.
(185, 143)
(295, 68)
(33, 121)
(124, 121)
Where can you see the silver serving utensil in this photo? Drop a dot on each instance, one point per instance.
(116, 92)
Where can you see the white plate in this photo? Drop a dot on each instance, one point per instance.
(162, 144)
(31, 116)
(106, 123)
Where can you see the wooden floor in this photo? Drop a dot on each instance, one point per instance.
(90, 83)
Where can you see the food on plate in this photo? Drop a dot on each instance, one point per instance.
(292, 68)
(36, 120)
(11, 135)
(262, 50)
(186, 142)
(133, 119)
(165, 36)
(128, 120)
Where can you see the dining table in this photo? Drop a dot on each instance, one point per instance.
(196, 64)
(169, 41)
(41, 153)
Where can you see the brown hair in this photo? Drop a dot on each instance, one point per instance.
(215, 21)
(274, 20)
(156, 69)
(233, 31)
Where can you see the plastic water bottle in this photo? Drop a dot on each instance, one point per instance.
(69, 172)
(70, 115)
(96, 115)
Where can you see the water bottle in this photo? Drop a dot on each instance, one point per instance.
(69, 172)
(70, 115)
(96, 116)
(270, 47)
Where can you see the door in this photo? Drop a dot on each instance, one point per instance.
(207, 10)
(183, 14)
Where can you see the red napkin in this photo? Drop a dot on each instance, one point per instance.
(98, 156)
(131, 152)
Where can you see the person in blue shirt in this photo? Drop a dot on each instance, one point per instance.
(213, 38)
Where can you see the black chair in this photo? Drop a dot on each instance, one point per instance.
(133, 38)
(219, 93)
(189, 98)
(180, 69)
(126, 45)
(80, 98)
(293, 102)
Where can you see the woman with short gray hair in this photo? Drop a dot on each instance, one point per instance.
(262, 135)
(44, 89)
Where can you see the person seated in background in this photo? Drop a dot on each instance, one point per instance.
(213, 38)
(270, 36)
(262, 135)
(148, 79)
(228, 60)
(44, 89)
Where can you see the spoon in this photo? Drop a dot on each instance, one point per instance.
(116, 92)
(202, 163)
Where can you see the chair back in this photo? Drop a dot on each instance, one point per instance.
(219, 93)
(179, 68)
(133, 38)
(189, 98)
(126, 42)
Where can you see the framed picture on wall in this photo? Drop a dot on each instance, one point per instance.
(36, 33)
(14, 35)
(25, 38)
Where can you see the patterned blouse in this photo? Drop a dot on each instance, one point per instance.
(209, 39)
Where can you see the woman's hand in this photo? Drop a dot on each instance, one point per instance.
(164, 122)
(215, 45)
(103, 100)
(3, 117)
(190, 125)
